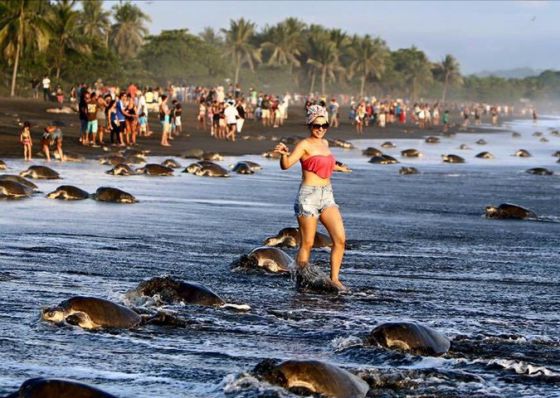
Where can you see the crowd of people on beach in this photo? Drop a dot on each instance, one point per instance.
(225, 112)
(423, 115)
(111, 115)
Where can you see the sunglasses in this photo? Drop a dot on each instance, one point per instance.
(320, 126)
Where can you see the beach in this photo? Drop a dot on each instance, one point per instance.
(419, 250)
(279, 200)
(255, 139)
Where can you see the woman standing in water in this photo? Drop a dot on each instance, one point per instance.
(315, 200)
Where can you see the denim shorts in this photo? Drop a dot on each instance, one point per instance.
(92, 126)
(312, 200)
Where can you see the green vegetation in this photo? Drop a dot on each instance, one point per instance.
(82, 41)
(23, 31)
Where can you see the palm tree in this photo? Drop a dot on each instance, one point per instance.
(22, 24)
(450, 72)
(342, 45)
(128, 31)
(369, 58)
(95, 22)
(239, 45)
(294, 26)
(312, 31)
(64, 25)
(284, 45)
(323, 57)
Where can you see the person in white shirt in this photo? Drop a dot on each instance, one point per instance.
(46, 87)
(286, 103)
(231, 115)
(220, 95)
(242, 114)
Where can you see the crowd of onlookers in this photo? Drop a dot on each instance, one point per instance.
(380, 113)
(109, 114)
(368, 112)
(224, 113)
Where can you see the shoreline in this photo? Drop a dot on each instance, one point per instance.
(254, 140)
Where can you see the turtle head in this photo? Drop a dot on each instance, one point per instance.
(272, 241)
(193, 168)
(53, 314)
(491, 211)
(128, 199)
(284, 241)
(266, 368)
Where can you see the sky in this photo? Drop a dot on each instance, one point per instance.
(482, 35)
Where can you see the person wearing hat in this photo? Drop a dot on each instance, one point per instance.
(315, 200)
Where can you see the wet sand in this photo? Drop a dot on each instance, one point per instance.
(254, 139)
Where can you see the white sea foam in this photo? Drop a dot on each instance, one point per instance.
(244, 382)
(342, 343)
(524, 368)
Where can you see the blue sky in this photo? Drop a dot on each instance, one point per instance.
(483, 35)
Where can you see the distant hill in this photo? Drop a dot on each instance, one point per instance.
(516, 73)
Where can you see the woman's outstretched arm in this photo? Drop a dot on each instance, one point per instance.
(288, 159)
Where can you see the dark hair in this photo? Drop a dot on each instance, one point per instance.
(26, 124)
(163, 97)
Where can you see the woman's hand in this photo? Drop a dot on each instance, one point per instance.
(282, 149)
(342, 168)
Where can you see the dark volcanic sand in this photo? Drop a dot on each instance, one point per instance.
(15, 111)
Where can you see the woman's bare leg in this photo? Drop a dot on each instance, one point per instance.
(134, 131)
(307, 230)
(332, 220)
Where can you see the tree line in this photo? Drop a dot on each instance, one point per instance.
(82, 41)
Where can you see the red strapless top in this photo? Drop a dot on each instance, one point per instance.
(322, 165)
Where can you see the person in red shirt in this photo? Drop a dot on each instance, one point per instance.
(132, 90)
(315, 200)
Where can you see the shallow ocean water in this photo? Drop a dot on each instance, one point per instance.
(421, 251)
